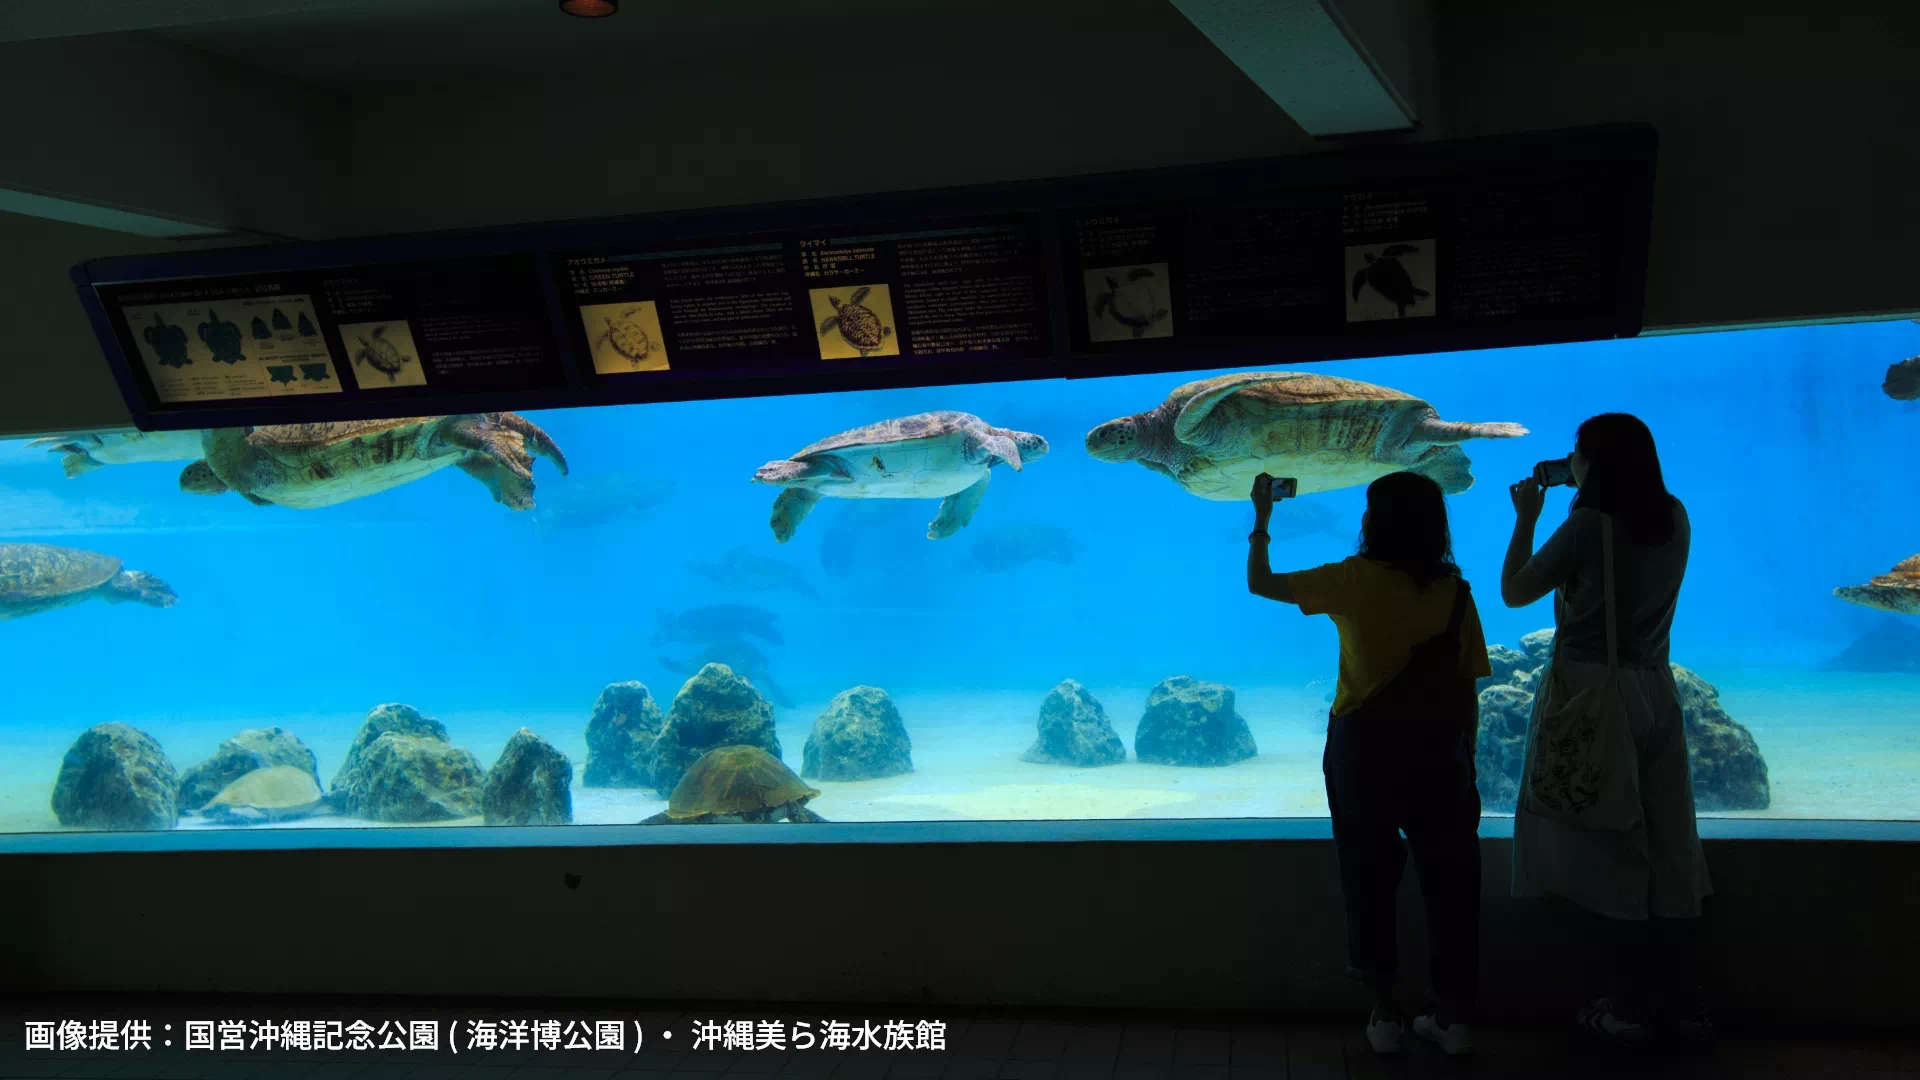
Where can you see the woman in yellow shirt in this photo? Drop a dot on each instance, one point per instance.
(1399, 754)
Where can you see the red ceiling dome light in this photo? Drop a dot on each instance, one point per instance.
(590, 9)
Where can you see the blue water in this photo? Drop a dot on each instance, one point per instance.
(1797, 470)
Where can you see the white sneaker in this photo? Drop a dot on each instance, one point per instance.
(1455, 1038)
(1383, 1035)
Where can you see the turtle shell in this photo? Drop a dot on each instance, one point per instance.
(735, 780)
(628, 337)
(297, 439)
(42, 571)
(929, 425)
(282, 787)
(860, 326)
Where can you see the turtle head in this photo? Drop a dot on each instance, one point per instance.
(1115, 440)
(1032, 447)
(140, 587)
(200, 479)
(780, 472)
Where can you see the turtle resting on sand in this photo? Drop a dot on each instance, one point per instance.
(91, 450)
(1897, 591)
(936, 455)
(305, 466)
(1214, 436)
(738, 785)
(281, 793)
(40, 577)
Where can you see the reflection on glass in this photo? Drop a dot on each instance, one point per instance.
(866, 588)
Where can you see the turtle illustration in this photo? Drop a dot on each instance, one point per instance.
(305, 466)
(381, 355)
(936, 455)
(40, 577)
(260, 331)
(738, 785)
(223, 338)
(1389, 278)
(306, 326)
(92, 450)
(857, 323)
(280, 320)
(1897, 591)
(1135, 303)
(169, 342)
(279, 793)
(1213, 436)
(627, 336)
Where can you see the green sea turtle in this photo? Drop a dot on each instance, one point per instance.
(381, 355)
(627, 336)
(857, 323)
(169, 343)
(1135, 303)
(1897, 591)
(935, 455)
(305, 466)
(1214, 436)
(280, 793)
(738, 785)
(222, 338)
(91, 450)
(1389, 277)
(40, 577)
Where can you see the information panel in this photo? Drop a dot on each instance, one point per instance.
(815, 302)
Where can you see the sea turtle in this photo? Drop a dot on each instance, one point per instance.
(1214, 436)
(279, 793)
(738, 785)
(169, 343)
(260, 331)
(381, 355)
(627, 336)
(935, 455)
(222, 338)
(1903, 380)
(858, 324)
(741, 656)
(1389, 278)
(91, 450)
(1135, 303)
(280, 320)
(305, 466)
(1897, 591)
(40, 577)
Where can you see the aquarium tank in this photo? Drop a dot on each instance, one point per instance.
(694, 622)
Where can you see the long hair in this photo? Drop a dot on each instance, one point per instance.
(1623, 477)
(1406, 527)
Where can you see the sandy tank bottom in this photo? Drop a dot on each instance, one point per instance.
(1837, 747)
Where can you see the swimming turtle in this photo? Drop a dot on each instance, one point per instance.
(1903, 380)
(169, 343)
(1897, 591)
(1389, 277)
(40, 577)
(381, 355)
(935, 455)
(858, 324)
(627, 336)
(1214, 436)
(1135, 303)
(741, 656)
(222, 337)
(305, 466)
(91, 450)
(279, 793)
(738, 785)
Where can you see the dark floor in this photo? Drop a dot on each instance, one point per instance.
(979, 1046)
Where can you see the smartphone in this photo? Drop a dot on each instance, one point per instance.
(1555, 473)
(1282, 487)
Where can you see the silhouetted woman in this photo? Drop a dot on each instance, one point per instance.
(1605, 814)
(1399, 751)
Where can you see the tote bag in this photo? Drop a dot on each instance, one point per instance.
(1582, 765)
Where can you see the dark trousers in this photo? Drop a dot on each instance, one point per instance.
(1385, 777)
(1648, 967)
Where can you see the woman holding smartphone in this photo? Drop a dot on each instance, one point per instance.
(1618, 841)
(1399, 753)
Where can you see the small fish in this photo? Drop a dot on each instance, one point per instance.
(1005, 547)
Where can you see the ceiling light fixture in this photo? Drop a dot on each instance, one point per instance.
(590, 9)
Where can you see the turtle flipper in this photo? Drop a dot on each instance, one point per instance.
(678, 667)
(958, 508)
(1359, 282)
(538, 442)
(800, 815)
(1004, 448)
(828, 323)
(1434, 431)
(789, 509)
(511, 487)
(860, 294)
(1100, 304)
(1190, 426)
